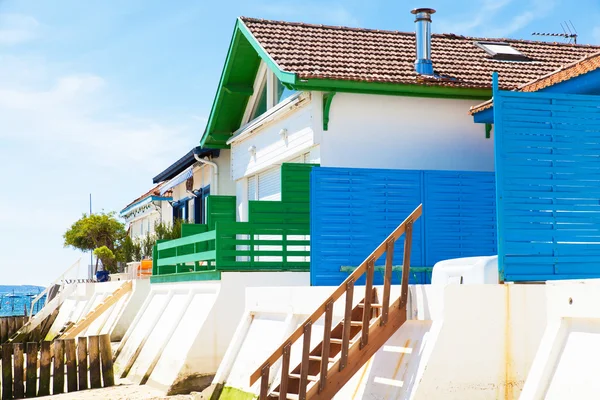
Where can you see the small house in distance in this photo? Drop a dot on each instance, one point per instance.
(143, 213)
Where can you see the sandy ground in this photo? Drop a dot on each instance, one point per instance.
(121, 392)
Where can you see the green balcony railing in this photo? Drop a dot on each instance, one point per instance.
(275, 238)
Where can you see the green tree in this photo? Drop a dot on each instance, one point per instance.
(107, 257)
(94, 231)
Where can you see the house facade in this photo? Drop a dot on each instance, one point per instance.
(142, 214)
(191, 179)
(317, 127)
(361, 99)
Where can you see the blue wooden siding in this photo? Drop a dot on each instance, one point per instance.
(353, 210)
(548, 185)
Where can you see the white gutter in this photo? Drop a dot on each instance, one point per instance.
(214, 185)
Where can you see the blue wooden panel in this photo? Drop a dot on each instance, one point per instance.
(548, 185)
(460, 215)
(354, 210)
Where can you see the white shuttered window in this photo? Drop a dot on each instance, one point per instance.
(269, 184)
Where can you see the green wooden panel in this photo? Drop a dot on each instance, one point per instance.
(200, 237)
(220, 208)
(192, 229)
(295, 182)
(187, 258)
(276, 238)
(187, 277)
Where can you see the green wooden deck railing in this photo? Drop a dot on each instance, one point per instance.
(275, 238)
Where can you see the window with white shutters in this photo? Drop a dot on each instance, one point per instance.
(269, 184)
(252, 188)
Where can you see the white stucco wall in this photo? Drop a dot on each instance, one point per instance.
(141, 225)
(377, 131)
(181, 332)
(461, 341)
(565, 365)
(87, 296)
(271, 148)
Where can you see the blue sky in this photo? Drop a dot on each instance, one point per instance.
(100, 96)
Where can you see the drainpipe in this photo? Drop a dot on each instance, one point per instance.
(215, 184)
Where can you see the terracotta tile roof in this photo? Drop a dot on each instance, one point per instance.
(587, 64)
(569, 71)
(341, 53)
(155, 191)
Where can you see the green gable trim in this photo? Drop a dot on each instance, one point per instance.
(239, 73)
(235, 88)
(285, 77)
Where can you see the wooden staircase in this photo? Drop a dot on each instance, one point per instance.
(108, 302)
(325, 369)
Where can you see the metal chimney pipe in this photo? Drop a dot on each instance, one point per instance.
(423, 63)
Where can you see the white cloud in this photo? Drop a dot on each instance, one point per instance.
(71, 117)
(17, 28)
(316, 12)
(62, 137)
(485, 21)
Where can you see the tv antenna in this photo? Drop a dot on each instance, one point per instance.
(569, 32)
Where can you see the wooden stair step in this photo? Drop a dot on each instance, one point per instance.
(319, 358)
(373, 305)
(290, 396)
(340, 341)
(310, 378)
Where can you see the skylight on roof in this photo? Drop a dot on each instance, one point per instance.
(502, 51)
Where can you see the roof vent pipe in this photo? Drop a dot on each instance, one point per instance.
(423, 63)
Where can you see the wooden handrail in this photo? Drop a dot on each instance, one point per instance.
(348, 282)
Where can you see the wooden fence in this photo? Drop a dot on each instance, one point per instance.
(9, 326)
(27, 369)
(10, 329)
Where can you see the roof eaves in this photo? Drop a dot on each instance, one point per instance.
(183, 163)
(142, 201)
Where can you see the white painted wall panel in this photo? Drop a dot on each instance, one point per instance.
(376, 131)
(271, 149)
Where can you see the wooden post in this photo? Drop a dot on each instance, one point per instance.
(3, 330)
(82, 364)
(19, 386)
(325, 345)
(71, 357)
(285, 372)
(11, 327)
(347, 324)
(305, 361)
(387, 281)
(58, 375)
(108, 376)
(406, 264)
(7, 378)
(264, 382)
(94, 353)
(367, 312)
(45, 361)
(31, 378)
